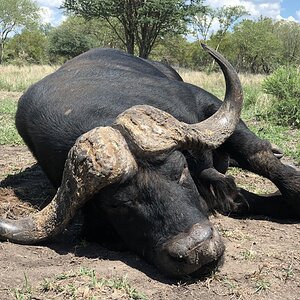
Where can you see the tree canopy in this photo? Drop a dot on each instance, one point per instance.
(251, 45)
(76, 35)
(261, 50)
(141, 21)
(15, 14)
(28, 46)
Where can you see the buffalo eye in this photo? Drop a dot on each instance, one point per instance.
(122, 197)
(120, 204)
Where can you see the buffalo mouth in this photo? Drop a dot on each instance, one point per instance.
(196, 253)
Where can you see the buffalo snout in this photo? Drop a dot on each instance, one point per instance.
(196, 252)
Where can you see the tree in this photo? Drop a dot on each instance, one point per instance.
(171, 50)
(15, 14)
(289, 33)
(141, 21)
(76, 35)
(227, 16)
(257, 46)
(202, 23)
(28, 46)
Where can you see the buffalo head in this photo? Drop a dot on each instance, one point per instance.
(135, 172)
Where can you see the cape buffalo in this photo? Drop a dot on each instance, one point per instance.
(145, 154)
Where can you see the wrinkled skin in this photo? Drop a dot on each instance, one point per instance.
(162, 211)
(158, 205)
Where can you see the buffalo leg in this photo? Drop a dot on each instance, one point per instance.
(273, 205)
(257, 156)
(286, 178)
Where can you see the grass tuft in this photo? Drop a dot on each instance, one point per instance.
(261, 285)
(80, 285)
(25, 292)
(248, 254)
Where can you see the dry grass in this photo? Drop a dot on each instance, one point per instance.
(257, 107)
(205, 80)
(18, 79)
(14, 80)
(215, 81)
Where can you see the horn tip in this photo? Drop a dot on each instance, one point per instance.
(208, 49)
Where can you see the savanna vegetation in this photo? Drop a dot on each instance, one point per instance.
(258, 108)
(170, 31)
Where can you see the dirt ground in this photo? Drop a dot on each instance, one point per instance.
(262, 258)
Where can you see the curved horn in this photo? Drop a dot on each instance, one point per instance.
(221, 125)
(98, 158)
(151, 131)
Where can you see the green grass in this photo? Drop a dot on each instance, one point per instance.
(83, 284)
(24, 293)
(286, 138)
(8, 131)
(248, 254)
(262, 285)
(257, 113)
(289, 272)
(117, 283)
(15, 79)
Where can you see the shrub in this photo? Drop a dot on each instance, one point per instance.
(284, 84)
(251, 93)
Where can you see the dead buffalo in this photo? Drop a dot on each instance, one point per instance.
(144, 154)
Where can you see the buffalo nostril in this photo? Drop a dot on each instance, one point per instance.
(185, 245)
(194, 252)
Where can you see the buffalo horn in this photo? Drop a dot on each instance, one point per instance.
(149, 130)
(98, 158)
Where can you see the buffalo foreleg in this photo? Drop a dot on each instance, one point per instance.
(273, 205)
(257, 156)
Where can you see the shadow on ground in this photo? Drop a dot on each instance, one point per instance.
(30, 190)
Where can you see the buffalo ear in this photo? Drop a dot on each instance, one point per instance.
(98, 158)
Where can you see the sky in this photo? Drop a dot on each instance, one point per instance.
(50, 12)
(276, 9)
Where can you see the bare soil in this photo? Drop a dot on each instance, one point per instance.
(262, 258)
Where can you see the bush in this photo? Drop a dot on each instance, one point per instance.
(284, 84)
(251, 93)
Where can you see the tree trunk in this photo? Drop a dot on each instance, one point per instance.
(129, 39)
(130, 46)
(1, 52)
(144, 51)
